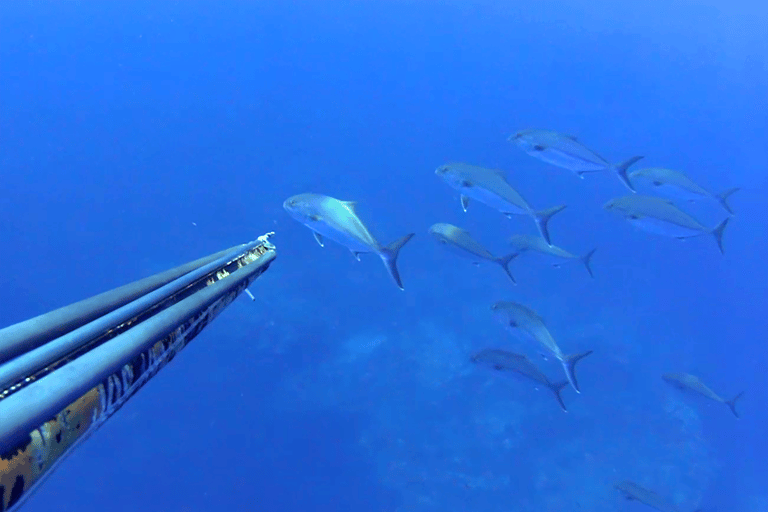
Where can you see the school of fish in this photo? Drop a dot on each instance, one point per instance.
(659, 213)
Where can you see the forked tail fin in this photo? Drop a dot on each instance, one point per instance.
(557, 388)
(587, 261)
(718, 234)
(542, 220)
(504, 261)
(569, 364)
(389, 257)
(732, 404)
(622, 168)
(723, 199)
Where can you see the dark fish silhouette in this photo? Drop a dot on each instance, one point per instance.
(635, 492)
(688, 382)
(503, 360)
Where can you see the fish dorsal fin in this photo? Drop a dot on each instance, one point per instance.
(461, 231)
(319, 238)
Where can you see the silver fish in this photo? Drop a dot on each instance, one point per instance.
(662, 217)
(503, 360)
(490, 186)
(688, 382)
(338, 221)
(567, 152)
(460, 241)
(526, 243)
(516, 316)
(635, 492)
(676, 185)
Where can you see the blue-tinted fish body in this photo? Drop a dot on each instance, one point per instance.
(635, 492)
(526, 322)
(662, 217)
(461, 243)
(566, 152)
(692, 384)
(490, 187)
(337, 220)
(531, 243)
(504, 360)
(676, 185)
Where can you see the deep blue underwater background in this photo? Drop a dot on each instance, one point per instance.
(136, 136)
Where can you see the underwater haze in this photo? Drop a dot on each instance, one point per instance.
(137, 136)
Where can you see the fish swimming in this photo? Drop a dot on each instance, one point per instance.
(337, 220)
(503, 360)
(517, 316)
(525, 243)
(460, 241)
(490, 186)
(567, 152)
(687, 382)
(662, 217)
(635, 492)
(676, 185)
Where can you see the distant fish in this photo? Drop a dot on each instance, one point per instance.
(489, 186)
(503, 360)
(634, 492)
(567, 152)
(676, 185)
(662, 217)
(517, 316)
(687, 382)
(460, 241)
(338, 221)
(525, 243)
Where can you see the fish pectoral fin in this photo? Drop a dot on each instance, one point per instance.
(464, 202)
(356, 254)
(467, 184)
(498, 367)
(572, 137)
(634, 216)
(476, 263)
(512, 323)
(319, 238)
(539, 147)
(657, 183)
(315, 218)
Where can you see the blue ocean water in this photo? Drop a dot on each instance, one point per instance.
(137, 136)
